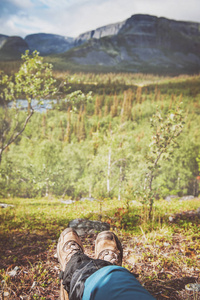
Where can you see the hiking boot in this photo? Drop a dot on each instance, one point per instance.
(109, 248)
(69, 243)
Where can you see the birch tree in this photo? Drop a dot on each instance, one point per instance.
(34, 80)
(165, 132)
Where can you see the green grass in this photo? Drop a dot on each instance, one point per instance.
(53, 216)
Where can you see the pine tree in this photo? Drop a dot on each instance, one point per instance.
(139, 94)
(106, 110)
(126, 112)
(114, 107)
(97, 106)
(82, 130)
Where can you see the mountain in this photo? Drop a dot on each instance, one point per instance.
(11, 47)
(142, 43)
(49, 43)
(112, 29)
(3, 38)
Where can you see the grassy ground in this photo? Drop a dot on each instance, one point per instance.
(164, 255)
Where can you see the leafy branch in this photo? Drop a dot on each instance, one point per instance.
(165, 132)
(34, 80)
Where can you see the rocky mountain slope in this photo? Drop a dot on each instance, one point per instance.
(12, 47)
(142, 43)
(49, 43)
(112, 29)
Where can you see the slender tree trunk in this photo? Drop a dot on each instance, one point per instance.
(47, 189)
(150, 208)
(14, 137)
(90, 191)
(1, 152)
(120, 183)
(108, 174)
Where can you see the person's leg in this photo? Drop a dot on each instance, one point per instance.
(112, 282)
(108, 251)
(69, 244)
(77, 267)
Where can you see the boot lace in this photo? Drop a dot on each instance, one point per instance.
(110, 256)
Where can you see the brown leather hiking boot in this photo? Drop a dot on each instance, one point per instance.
(69, 243)
(109, 248)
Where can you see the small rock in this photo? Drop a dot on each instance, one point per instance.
(74, 223)
(170, 197)
(84, 226)
(4, 205)
(198, 211)
(87, 198)
(67, 201)
(91, 231)
(166, 244)
(6, 294)
(136, 202)
(13, 272)
(34, 284)
(186, 198)
(81, 232)
(195, 287)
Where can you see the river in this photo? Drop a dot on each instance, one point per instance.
(23, 104)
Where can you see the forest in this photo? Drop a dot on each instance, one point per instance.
(98, 144)
(122, 142)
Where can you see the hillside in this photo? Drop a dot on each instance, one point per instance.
(49, 43)
(12, 47)
(142, 43)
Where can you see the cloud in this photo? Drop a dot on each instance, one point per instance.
(72, 17)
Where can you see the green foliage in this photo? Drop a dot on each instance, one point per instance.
(165, 132)
(34, 78)
(198, 161)
(33, 81)
(74, 101)
(65, 151)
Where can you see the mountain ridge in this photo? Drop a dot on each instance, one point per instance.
(47, 43)
(141, 43)
(144, 43)
(111, 29)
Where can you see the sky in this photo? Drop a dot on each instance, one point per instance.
(73, 17)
